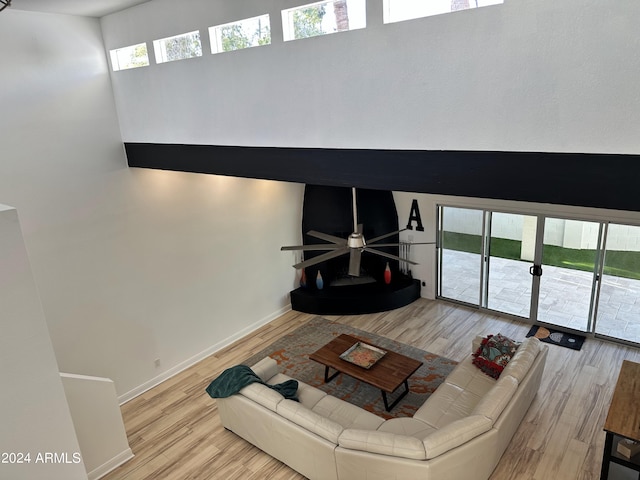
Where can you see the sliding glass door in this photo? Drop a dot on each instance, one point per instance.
(460, 239)
(618, 309)
(568, 280)
(576, 274)
(535, 267)
(509, 255)
(485, 257)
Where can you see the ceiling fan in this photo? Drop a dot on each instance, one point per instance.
(4, 4)
(354, 245)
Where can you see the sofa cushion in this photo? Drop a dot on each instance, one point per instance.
(493, 403)
(384, 443)
(301, 415)
(494, 353)
(470, 378)
(523, 359)
(447, 404)
(263, 395)
(406, 426)
(307, 395)
(455, 434)
(347, 415)
(457, 396)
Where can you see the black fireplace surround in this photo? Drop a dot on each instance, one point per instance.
(329, 210)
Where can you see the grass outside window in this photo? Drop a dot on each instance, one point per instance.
(625, 264)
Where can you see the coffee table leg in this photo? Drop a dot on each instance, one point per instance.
(606, 455)
(395, 402)
(328, 378)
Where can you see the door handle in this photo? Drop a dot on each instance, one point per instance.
(535, 270)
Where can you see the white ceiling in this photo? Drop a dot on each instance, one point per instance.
(85, 8)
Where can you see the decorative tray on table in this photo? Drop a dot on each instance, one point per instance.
(363, 355)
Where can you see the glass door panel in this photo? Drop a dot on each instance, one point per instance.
(569, 261)
(619, 300)
(460, 254)
(512, 241)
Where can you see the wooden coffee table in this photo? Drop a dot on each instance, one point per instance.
(387, 374)
(623, 418)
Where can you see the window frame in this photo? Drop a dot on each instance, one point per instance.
(215, 34)
(160, 47)
(387, 8)
(288, 25)
(114, 55)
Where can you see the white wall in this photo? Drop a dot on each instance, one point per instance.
(34, 416)
(528, 75)
(97, 420)
(132, 265)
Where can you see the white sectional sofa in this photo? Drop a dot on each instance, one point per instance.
(460, 432)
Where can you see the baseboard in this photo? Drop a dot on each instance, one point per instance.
(111, 465)
(131, 394)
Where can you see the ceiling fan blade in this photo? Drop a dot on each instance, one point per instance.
(354, 262)
(322, 258)
(388, 255)
(355, 210)
(327, 237)
(386, 235)
(311, 247)
(399, 244)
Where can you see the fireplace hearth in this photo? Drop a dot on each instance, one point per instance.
(329, 210)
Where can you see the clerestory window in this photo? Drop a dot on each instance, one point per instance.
(322, 18)
(178, 47)
(250, 32)
(400, 10)
(133, 56)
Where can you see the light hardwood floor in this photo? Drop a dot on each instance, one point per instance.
(175, 433)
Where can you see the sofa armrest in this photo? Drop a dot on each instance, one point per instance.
(384, 443)
(265, 368)
(455, 434)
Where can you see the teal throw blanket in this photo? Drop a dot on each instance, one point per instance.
(234, 379)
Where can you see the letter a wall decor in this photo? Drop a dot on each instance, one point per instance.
(414, 216)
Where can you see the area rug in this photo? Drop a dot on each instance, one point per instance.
(555, 337)
(292, 354)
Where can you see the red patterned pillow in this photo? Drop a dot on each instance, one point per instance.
(494, 353)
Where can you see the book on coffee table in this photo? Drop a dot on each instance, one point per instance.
(363, 355)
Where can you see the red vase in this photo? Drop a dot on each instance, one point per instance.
(387, 274)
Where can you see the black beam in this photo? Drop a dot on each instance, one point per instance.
(581, 179)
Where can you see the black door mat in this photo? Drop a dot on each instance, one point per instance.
(555, 337)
